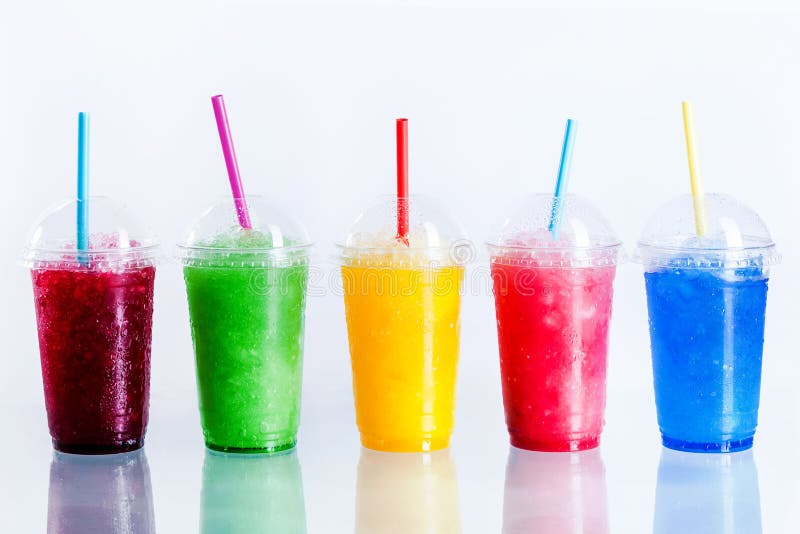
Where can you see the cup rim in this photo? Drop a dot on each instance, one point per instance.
(30, 253)
(616, 245)
(389, 250)
(187, 249)
(761, 255)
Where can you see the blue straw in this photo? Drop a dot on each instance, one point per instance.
(83, 188)
(563, 179)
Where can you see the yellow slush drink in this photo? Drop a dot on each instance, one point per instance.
(403, 327)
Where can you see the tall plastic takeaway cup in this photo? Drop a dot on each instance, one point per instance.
(246, 290)
(706, 299)
(402, 303)
(94, 311)
(553, 304)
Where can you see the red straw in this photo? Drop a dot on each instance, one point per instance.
(230, 160)
(402, 180)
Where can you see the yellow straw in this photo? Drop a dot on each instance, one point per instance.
(694, 172)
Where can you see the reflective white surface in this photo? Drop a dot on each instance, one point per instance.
(407, 493)
(334, 485)
(243, 492)
(544, 492)
(707, 493)
(553, 493)
(100, 494)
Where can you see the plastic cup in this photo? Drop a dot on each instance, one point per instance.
(553, 304)
(706, 298)
(246, 290)
(555, 493)
(707, 493)
(402, 304)
(94, 313)
(109, 493)
(407, 493)
(243, 493)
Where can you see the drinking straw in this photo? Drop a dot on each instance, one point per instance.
(231, 164)
(82, 215)
(563, 179)
(402, 180)
(698, 194)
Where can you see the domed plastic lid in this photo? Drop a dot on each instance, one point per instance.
(736, 237)
(117, 239)
(585, 238)
(434, 236)
(217, 239)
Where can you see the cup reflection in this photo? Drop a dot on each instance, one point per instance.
(555, 492)
(707, 493)
(107, 494)
(407, 492)
(252, 493)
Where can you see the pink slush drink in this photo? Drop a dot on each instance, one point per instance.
(553, 306)
(553, 334)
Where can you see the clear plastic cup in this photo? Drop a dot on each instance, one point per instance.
(109, 493)
(246, 493)
(246, 290)
(707, 493)
(94, 312)
(553, 303)
(402, 304)
(706, 298)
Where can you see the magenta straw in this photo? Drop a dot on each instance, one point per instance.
(230, 160)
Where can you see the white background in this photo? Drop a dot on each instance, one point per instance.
(312, 90)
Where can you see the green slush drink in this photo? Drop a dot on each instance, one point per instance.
(246, 291)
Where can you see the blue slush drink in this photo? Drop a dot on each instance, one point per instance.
(707, 335)
(706, 298)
